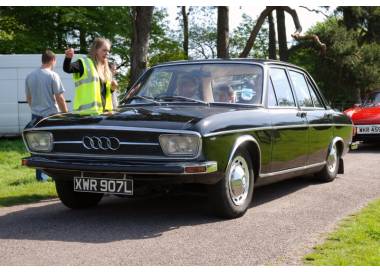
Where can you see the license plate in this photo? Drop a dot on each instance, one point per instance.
(103, 185)
(368, 129)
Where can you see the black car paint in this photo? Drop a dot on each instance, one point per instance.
(286, 139)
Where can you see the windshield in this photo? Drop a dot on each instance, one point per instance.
(200, 83)
(373, 98)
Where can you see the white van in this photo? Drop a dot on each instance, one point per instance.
(14, 110)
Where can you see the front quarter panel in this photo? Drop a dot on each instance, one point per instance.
(221, 132)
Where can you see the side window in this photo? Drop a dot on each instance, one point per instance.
(282, 88)
(301, 89)
(316, 100)
(272, 101)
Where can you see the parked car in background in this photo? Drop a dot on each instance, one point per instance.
(174, 127)
(366, 118)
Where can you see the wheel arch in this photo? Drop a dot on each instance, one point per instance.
(252, 146)
(339, 144)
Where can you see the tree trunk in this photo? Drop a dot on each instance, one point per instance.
(185, 18)
(142, 23)
(296, 35)
(82, 42)
(223, 33)
(358, 96)
(272, 37)
(255, 31)
(281, 29)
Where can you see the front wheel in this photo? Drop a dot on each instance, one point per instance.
(231, 196)
(75, 200)
(330, 170)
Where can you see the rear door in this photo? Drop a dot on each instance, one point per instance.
(319, 120)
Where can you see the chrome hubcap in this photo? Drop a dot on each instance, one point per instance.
(238, 180)
(332, 159)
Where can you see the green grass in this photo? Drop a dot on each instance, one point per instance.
(17, 183)
(356, 242)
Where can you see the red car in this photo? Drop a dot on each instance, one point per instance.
(366, 118)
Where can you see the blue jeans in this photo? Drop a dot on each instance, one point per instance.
(39, 175)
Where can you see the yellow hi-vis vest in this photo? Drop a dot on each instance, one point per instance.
(88, 97)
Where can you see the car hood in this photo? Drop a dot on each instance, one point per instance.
(364, 115)
(157, 116)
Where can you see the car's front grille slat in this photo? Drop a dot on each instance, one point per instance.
(106, 142)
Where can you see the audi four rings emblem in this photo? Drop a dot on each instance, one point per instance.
(103, 143)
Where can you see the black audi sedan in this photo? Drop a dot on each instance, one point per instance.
(226, 126)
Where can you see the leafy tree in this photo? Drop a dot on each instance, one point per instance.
(202, 32)
(364, 19)
(239, 36)
(348, 70)
(163, 46)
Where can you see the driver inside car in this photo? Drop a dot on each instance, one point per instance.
(188, 86)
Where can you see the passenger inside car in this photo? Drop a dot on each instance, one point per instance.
(224, 93)
(188, 86)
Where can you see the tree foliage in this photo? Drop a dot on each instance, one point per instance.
(239, 37)
(349, 69)
(30, 30)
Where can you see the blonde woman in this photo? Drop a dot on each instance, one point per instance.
(92, 77)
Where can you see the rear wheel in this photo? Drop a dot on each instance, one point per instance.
(330, 170)
(75, 200)
(231, 196)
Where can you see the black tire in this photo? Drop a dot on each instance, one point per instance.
(75, 200)
(223, 201)
(330, 170)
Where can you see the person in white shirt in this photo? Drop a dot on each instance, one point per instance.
(43, 89)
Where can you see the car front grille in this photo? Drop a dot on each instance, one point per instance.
(107, 142)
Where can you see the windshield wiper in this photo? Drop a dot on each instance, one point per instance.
(142, 97)
(178, 98)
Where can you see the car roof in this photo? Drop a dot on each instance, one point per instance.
(231, 60)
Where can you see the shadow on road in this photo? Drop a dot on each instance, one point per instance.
(274, 191)
(117, 219)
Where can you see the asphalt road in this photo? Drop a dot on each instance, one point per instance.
(284, 222)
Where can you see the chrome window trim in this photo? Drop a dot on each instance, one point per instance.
(286, 171)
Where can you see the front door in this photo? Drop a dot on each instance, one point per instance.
(290, 134)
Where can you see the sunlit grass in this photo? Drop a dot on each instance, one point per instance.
(17, 183)
(356, 242)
